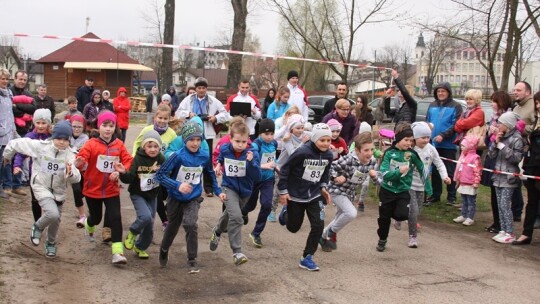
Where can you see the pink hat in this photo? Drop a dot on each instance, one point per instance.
(334, 125)
(104, 116)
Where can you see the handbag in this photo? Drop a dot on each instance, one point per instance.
(481, 132)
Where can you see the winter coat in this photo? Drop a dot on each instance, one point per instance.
(213, 107)
(355, 174)
(84, 96)
(407, 110)
(468, 120)
(7, 120)
(348, 123)
(122, 106)
(507, 154)
(46, 103)
(242, 185)
(465, 174)
(443, 114)
(393, 159)
(142, 172)
(150, 102)
(48, 179)
(107, 104)
(267, 152)
(166, 139)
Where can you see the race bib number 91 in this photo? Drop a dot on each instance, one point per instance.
(313, 173)
(235, 168)
(105, 163)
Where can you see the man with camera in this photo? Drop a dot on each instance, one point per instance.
(244, 96)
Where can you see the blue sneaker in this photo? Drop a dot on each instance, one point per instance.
(308, 264)
(272, 217)
(283, 216)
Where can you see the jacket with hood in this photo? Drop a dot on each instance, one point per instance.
(507, 154)
(167, 138)
(91, 110)
(465, 174)
(526, 111)
(407, 109)
(178, 142)
(242, 185)
(122, 106)
(443, 114)
(146, 167)
(393, 159)
(213, 107)
(7, 120)
(84, 97)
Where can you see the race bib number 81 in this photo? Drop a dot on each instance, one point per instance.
(190, 175)
(105, 163)
(268, 158)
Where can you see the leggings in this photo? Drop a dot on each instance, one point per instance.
(77, 193)
(112, 204)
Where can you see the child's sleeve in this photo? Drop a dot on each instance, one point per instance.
(254, 166)
(131, 174)
(19, 160)
(378, 179)
(439, 164)
(210, 170)
(220, 155)
(85, 152)
(325, 178)
(512, 154)
(25, 146)
(389, 175)
(338, 167)
(75, 176)
(165, 170)
(125, 158)
(174, 146)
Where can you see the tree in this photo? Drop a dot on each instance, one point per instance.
(237, 43)
(437, 52)
(9, 54)
(167, 53)
(151, 56)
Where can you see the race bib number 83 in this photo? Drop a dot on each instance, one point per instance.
(313, 173)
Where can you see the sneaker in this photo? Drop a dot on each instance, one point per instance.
(413, 241)
(451, 202)
(239, 258)
(459, 219)
(214, 239)
(143, 255)
(3, 194)
(381, 245)
(308, 264)
(397, 224)
(50, 250)
(106, 235)
(164, 225)
(129, 242)
(80, 222)
(193, 266)
(430, 200)
(35, 235)
(468, 222)
(324, 245)
(245, 218)
(361, 207)
(283, 216)
(332, 239)
(498, 235)
(119, 259)
(507, 238)
(163, 257)
(209, 194)
(272, 217)
(89, 231)
(256, 240)
(19, 191)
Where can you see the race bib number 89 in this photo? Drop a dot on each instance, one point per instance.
(52, 166)
(313, 173)
(105, 163)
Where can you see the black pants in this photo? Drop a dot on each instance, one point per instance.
(36, 208)
(393, 205)
(123, 135)
(295, 218)
(207, 180)
(77, 193)
(533, 197)
(495, 210)
(436, 177)
(95, 206)
(161, 210)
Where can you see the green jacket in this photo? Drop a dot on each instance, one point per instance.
(144, 167)
(393, 159)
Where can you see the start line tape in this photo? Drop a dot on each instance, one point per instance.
(196, 48)
(495, 171)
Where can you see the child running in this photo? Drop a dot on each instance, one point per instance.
(241, 166)
(102, 155)
(303, 181)
(77, 140)
(52, 169)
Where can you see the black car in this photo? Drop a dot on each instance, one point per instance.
(316, 104)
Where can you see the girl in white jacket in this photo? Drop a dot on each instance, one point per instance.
(52, 169)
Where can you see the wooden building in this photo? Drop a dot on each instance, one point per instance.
(66, 68)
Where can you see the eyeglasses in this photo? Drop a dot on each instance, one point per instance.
(76, 127)
(344, 109)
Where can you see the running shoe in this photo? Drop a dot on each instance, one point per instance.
(239, 258)
(129, 242)
(256, 240)
(308, 263)
(35, 235)
(214, 239)
(50, 250)
(119, 259)
(193, 267)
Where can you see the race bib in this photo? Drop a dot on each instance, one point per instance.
(313, 173)
(358, 177)
(396, 165)
(268, 157)
(52, 165)
(235, 168)
(148, 181)
(190, 175)
(163, 147)
(105, 163)
(335, 154)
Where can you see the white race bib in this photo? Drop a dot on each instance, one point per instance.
(52, 166)
(268, 157)
(358, 177)
(313, 173)
(190, 175)
(148, 181)
(396, 165)
(163, 148)
(235, 168)
(105, 163)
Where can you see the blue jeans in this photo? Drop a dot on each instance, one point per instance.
(469, 206)
(266, 188)
(144, 223)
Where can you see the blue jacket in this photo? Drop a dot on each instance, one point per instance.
(299, 164)
(275, 112)
(167, 175)
(241, 185)
(443, 114)
(270, 150)
(178, 142)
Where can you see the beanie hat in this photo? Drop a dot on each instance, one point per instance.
(364, 127)
(201, 82)
(78, 118)
(266, 125)
(294, 121)
(509, 119)
(191, 129)
(62, 130)
(308, 126)
(151, 136)
(334, 125)
(292, 74)
(105, 115)
(406, 132)
(106, 92)
(42, 114)
(421, 129)
(320, 130)
(166, 97)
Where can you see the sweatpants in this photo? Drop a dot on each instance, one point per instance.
(415, 206)
(468, 209)
(295, 218)
(265, 188)
(112, 204)
(345, 213)
(36, 207)
(50, 218)
(186, 214)
(504, 201)
(144, 223)
(392, 205)
(231, 219)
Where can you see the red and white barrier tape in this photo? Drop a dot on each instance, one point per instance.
(494, 171)
(196, 48)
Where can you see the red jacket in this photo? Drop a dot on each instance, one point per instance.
(474, 119)
(96, 183)
(122, 106)
(339, 143)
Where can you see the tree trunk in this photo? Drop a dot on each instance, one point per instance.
(168, 38)
(239, 36)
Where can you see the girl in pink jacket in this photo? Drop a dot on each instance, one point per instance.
(467, 177)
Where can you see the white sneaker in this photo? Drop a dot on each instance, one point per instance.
(468, 222)
(119, 259)
(507, 238)
(499, 235)
(397, 225)
(80, 222)
(459, 219)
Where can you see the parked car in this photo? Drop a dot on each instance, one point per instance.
(316, 104)
(375, 103)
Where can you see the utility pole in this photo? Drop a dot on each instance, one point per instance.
(87, 24)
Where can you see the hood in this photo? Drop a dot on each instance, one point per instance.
(470, 142)
(120, 90)
(94, 93)
(443, 85)
(198, 120)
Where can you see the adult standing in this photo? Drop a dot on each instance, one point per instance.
(7, 123)
(443, 113)
(211, 111)
(122, 106)
(270, 97)
(341, 92)
(244, 96)
(84, 93)
(175, 102)
(152, 101)
(298, 94)
(362, 112)
(473, 116)
(406, 111)
(44, 101)
(21, 109)
(342, 114)
(91, 110)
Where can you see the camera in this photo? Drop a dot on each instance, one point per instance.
(204, 117)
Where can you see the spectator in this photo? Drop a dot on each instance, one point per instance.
(280, 105)
(342, 114)
(175, 102)
(298, 94)
(122, 106)
(362, 113)
(44, 101)
(84, 93)
(22, 109)
(243, 95)
(270, 97)
(473, 115)
(341, 92)
(91, 110)
(406, 111)
(7, 131)
(107, 104)
(152, 101)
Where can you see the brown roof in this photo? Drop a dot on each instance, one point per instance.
(215, 77)
(82, 51)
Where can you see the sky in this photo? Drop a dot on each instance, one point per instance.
(203, 21)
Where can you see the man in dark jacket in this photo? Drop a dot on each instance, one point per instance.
(341, 92)
(443, 113)
(407, 105)
(84, 93)
(175, 102)
(44, 101)
(152, 101)
(19, 88)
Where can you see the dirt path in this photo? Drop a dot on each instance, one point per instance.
(452, 265)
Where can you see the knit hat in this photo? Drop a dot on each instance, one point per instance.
(334, 125)
(364, 127)
(421, 129)
(201, 82)
(151, 136)
(292, 74)
(191, 129)
(266, 125)
(106, 92)
(308, 126)
(320, 130)
(294, 121)
(509, 119)
(78, 118)
(105, 115)
(166, 97)
(62, 130)
(42, 114)
(406, 132)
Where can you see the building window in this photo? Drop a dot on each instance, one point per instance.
(458, 79)
(451, 78)
(466, 55)
(458, 67)
(458, 55)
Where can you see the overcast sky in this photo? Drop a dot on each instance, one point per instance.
(196, 20)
